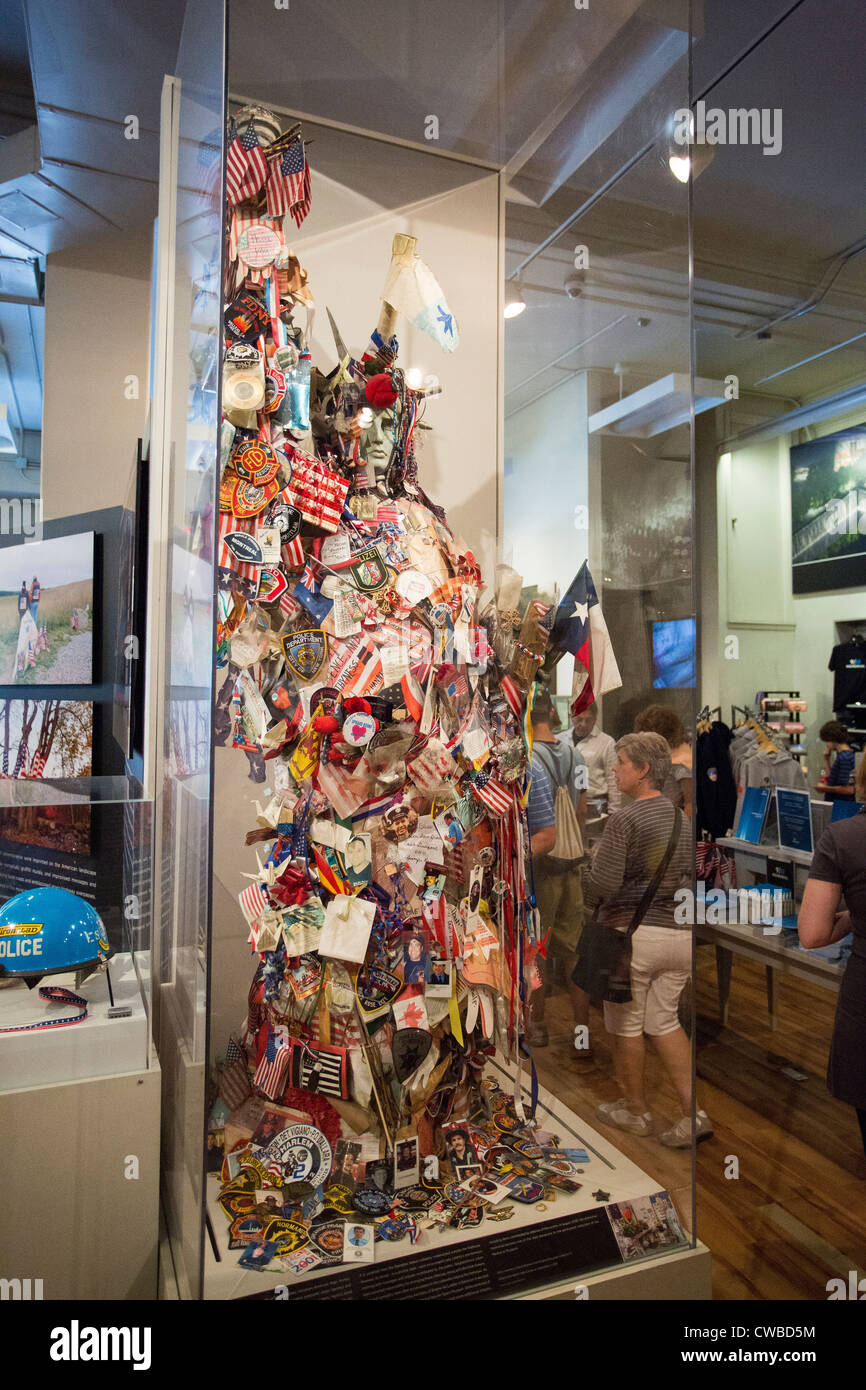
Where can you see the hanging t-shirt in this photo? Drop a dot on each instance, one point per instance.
(848, 664)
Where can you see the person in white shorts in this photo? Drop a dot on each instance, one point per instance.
(634, 841)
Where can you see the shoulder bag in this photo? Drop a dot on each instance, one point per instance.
(603, 967)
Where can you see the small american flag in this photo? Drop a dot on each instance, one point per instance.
(512, 695)
(234, 1083)
(494, 796)
(456, 688)
(289, 183)
(246, 166)
(253, 903)
(271, 1070)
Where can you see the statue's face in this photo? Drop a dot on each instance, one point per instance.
(377, 440)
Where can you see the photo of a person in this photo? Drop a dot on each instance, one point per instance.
(475, 888)
(416, 961)
(268, 1205)
(407, 1154)
(453, 830)
(358, 1236)
(459, 1149)
(358, 1242)
(258, 1254)
(440, 972)
(35, 591)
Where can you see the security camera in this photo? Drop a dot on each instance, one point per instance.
(574, 286)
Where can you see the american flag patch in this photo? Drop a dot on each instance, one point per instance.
(318, 492)
(320, 1068)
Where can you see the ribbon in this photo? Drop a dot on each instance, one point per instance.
(54, 994)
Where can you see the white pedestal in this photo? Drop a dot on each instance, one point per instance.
(77, 1221)
(99, 1046)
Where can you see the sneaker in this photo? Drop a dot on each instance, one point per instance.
(537, 1035)
(680, 1137)
(616, 1112)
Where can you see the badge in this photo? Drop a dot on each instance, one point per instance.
(288, 520)
(527, 1148)
(327, 1238)
(371, 1201)
(499, 1158)
(392, 1230)
(236, 1204)
(601, 1195)
(243, 355)
(244, 547)
(305, 652)
(525, 1190)
(245, 499)
(275, 389)
(257, 245)
(368, 570)
(303, 1153)
(359, 729)
(499, 1213)
(376, 991)
(339, 1197)
(255, 461)
(409, 1047)
(506, 1123)
(286, 1235)
(466, 1217)
(243, 1230)
(245, 318)
(419, 1198)
(272, 583)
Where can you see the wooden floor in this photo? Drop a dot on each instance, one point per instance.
(796, 1215)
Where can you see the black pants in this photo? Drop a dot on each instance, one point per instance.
(861, 1116)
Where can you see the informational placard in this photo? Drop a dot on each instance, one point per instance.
(753, 813)
(780, 873)
(795, 820)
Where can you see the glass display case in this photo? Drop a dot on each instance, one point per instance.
(429, 545)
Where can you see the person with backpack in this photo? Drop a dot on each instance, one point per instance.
(557, 874)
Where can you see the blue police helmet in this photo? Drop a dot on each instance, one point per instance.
(48, 930)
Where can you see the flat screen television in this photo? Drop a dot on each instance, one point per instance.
(674, 654)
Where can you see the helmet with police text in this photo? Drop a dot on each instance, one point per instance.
(46, 931)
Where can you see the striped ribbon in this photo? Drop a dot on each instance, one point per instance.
(54, 994)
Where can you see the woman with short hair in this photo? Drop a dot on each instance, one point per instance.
(662, 720)
(634, 843)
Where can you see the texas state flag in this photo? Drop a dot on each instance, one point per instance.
(579, 628)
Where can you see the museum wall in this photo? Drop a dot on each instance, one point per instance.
(783, 640)
(97, 330)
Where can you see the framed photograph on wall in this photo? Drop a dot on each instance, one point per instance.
(46, 612)
(828, 512)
